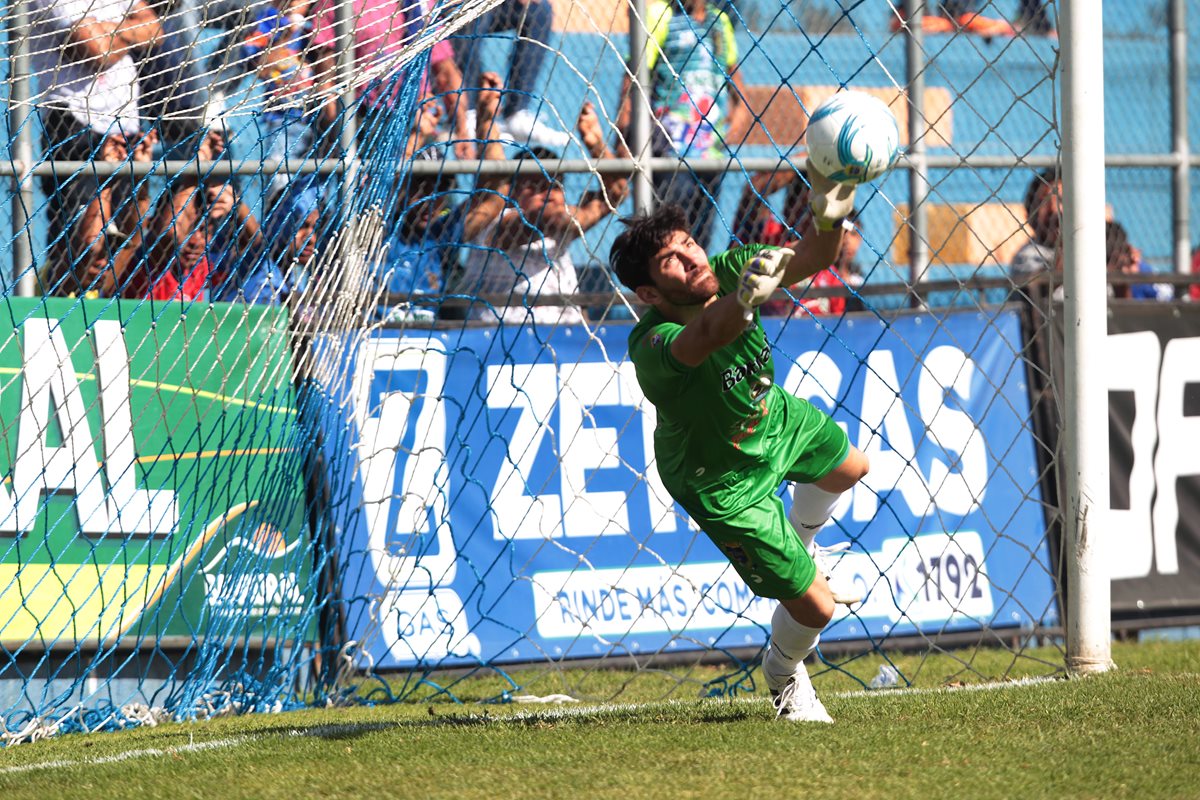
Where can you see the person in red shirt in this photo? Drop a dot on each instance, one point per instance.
(168, 257)
(844, 272)
(173, 262)
(757, 222)
(1194, 289)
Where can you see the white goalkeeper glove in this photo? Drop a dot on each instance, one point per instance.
(761, 277)
(830, 201)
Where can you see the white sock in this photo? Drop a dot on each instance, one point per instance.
(791, 643)
(811, 509)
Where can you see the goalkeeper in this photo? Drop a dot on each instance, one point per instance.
(727, 436)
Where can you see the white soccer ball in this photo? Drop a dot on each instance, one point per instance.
(852, 137)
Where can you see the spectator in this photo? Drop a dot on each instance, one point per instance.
(952, 16)
(1034, 17)
(523, 254)
(1194, 290)
(755, 221)
(105, 260)
(1043, 210)
(424, 132)
(842, 273)
(175, 264)
(1125, 259)
(111, 254)
(381, 30)
(169, 257)
(531, 22)
(184, 91)
(182, 88)
(88, 109)
(277, 44)
(848, 270)
(1164, 292)
(1119, 255)
(234, 234)
(692, 55)
(421, 249)
(290, 232)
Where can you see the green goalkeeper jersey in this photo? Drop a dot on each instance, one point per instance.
(721, 424)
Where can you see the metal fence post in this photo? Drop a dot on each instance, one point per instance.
(918, 179)
(21, 153)
(344, 31)
(639, 132)
(1179, 130)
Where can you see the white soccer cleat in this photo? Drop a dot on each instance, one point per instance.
(797, 701)
(845, 592)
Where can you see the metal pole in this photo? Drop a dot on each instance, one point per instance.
(21, 152)
(344, 29)
(1179, 127)
(639, 131)
(604, 166)
(1084, 457)
(918, 181)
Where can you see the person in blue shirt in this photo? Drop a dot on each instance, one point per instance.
(1125, 259)
(429, 231)
(282, 267)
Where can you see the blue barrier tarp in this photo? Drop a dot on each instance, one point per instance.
(499, 501)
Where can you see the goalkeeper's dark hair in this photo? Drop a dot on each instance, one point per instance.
(643, 237)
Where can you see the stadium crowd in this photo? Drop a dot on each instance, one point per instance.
(124, 81)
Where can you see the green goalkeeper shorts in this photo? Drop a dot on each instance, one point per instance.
(756, 536)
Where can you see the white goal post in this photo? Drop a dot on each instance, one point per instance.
(1088, 538)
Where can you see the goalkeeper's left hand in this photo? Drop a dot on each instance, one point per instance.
(830, 201)
(761, 277)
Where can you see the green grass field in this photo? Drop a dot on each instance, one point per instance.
(1131, 733)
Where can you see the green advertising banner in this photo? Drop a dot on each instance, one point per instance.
(151, 467)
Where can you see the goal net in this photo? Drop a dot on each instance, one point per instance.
(317, 387)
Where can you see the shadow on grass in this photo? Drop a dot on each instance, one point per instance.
(699, 714)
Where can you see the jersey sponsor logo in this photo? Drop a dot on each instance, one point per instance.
(735, 553)
(738, 373)
(762, 385)
(656, 340)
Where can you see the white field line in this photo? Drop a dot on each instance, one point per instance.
(318, 729)
(966, 687)
(334, 729)
(126, 756)
(876, 694)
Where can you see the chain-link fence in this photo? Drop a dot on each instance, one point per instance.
(318, 371)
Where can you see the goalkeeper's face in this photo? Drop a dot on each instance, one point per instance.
(681, 273)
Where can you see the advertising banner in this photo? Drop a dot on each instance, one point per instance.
(150, 474)
(509, 508)
(1152, 362)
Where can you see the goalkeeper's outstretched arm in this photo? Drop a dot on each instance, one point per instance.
(718, 322)
(716, 326)
(830, 203)
(815, 252)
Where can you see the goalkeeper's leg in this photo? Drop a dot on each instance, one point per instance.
(812, 506)
(795, 630)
